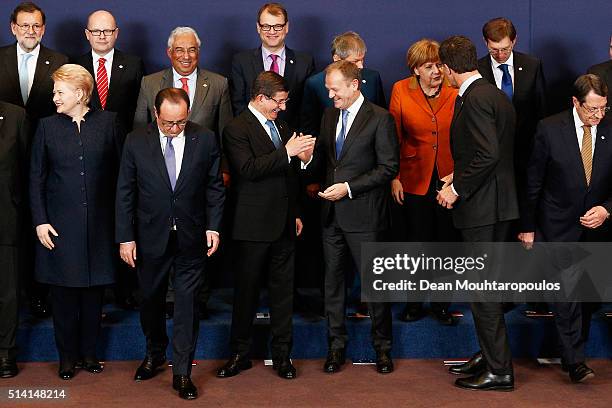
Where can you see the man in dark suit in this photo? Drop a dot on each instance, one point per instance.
(25, 69)
(521, 78)
(482, 194)
(14, 141)
(357, 156)
(168, 211)
(210, 105)
(569, 192)
(117, 77)
(264, 159)
(272, 55)
(604, 71)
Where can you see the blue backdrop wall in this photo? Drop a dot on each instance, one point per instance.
(567, 35)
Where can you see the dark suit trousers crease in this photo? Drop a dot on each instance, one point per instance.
(572, 321)
(153, 276)
(338, 246)
(9, 300)
(253, 260)
(77, 314)
(489, 317)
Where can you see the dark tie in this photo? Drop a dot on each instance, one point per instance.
(342, 135)
(274, 66)
(170, 161)
(102, 82)
(506, 84)
(587, 153)
(274, 134)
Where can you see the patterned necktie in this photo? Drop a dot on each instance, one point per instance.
(185, 85)
(506, 84)
(274, 66)
(587, 153)
(274, 134)
(102, 82)
(170, 161)
(24, 77)
(342, 135)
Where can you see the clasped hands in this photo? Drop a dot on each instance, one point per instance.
(446, 197)
(301, 146)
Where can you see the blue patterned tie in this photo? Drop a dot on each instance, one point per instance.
(274, 134)
(506, 81)
(170, 161)
(342, 135)
(24, 77)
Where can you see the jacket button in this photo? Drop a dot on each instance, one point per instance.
(80, 157)
(435, 147)
(82, 173)
(434, 133)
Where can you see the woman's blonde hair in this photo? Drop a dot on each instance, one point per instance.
(78, 77)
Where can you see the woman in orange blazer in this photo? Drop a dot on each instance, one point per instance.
(422, 106)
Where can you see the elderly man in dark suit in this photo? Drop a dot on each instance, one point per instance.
(26, 69)
(569, 197)
(482, 194)
(356, 156)
(264, 158)
(272, 55)
(168, 213)
(14, 141)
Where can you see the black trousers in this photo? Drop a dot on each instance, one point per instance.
(489, 316)
(9, 300)
(338, 247)
(153, 277)
(253, 260)
(77, 313)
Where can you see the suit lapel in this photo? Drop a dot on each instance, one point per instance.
(191, 142)
(260, 133)
(601, 151)
(156, 153)
(573, 148)
(519, 75)
(289, 73)
(201, 91)
(333, 123)
(3, 118)
(363, 115)
(487, 71)
(256, 62)
(11, 65)
(87, 61)
(41, 74)
(167, 80)
(117, 71)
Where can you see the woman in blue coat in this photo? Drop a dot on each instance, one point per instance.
(74, 165)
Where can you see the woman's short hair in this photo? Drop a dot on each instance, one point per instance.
(78, 77)
(421, 52)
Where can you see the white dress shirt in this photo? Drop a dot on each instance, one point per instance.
(580, 132)
(352, 113)
(498, 73)
(31, 63)
(178, 143)
(280, 61)
(192, 80)
(108, 64)
(262, 119)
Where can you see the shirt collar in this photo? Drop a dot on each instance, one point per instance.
(354, 108)
(266, 53)
(107, 57)
(191, 77)
(577, 121)
(464, 86)
(260, 117)
(163, 137)
(34, 52)
(509, 62)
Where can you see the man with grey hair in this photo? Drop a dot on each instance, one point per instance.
(210, 105)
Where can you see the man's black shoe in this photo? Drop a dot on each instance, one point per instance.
(487, 381)
(148, 367)
(234, 366)
(473, 366)
(335, 359)
(8, 367)
(184, 386)
(384, 364)
(580, 372)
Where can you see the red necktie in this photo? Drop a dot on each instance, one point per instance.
(102, 82)
(185, 85)
(274, 66)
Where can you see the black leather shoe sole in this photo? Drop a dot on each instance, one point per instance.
(226, 372)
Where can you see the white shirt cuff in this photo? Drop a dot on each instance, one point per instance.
(454, 191)
(349, 190)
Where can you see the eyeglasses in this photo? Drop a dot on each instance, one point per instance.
(26, 27)
(97, 33)
(592, 110)
(279, 103)
(494, 51)
(169, 124)
(268, 27)
(181, 51)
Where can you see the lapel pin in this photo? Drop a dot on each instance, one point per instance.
(602, 138)
(520, 68)
(204, 85)
(121, 66)
(363, 80)
(1, 117)
(47, 62)
(291, 61)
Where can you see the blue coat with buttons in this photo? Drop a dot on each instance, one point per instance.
(72, 187)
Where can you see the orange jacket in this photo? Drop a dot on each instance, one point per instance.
(424, 136)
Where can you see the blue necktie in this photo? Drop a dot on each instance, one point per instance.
(24, 77)
(170, 161)
(274, 134)
(506, 81)
(342, 135)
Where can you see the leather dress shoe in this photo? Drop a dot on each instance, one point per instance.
(284, 368)
(169, 310)
(234, 366)
(487, 381)
(580, 372)
(39, 308)
(444, 317)
(8, 367)
(66, 370)
(335, 359)
(184, 386)
(473, 366)
(384, 364)
(91, 364)
(411, 314)
(148, 367)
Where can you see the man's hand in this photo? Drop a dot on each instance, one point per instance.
(397, 191)
(527, 239)
(594, 217)
(127, 252)
(226, 179)
(299, 226)
(300, 145)
(448, 180)
(43, 232)
(334, 192)
(306, 155)
(446, 198)
(212, 242)
(313, 190)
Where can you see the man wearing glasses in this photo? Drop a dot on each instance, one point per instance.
(569, 199)
(117, 74)
(273, 55)
(25, 75)
(168, 214)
